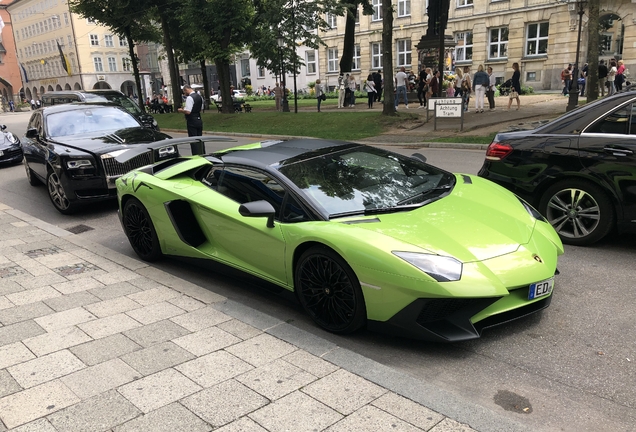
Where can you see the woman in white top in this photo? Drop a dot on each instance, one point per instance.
(369, 87)
(611, 77)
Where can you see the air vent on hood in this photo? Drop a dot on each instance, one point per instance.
(360, 221)
(467, 179)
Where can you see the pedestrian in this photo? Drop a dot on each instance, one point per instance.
(481, 82)
(611, 77)
(566, 79)
(369, 87)
(400, 86)
(33, 104)
(516, 86)
(620, 77)
(319, 93)
(352, 91)
(459, 77)
(422, 87)
(581, 83)
(490, 93)
(434, 84)
(450, 90)
(11, 105)
(377, 81)
(602, 76)
(341, 90)
(192, 111)
(466, 87)
(278, 95)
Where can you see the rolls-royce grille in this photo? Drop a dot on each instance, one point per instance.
(112, 168)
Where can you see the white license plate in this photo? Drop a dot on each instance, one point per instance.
(541, 289)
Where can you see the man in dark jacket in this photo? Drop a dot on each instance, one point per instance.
(192, 111)
(377, 80)
(602, 76)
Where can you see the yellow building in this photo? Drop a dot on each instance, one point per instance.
(540, 35)
(59, 50)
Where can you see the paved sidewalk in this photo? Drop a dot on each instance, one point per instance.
(91, 340)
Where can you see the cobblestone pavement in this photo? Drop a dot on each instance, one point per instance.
(91, 340)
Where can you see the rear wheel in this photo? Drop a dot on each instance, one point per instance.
(580, 212)
(329, 291)
(141, 231)
(58, 194)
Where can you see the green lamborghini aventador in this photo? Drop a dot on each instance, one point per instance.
(363, 236)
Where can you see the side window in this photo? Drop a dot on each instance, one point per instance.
(36, 122)
(293, 211)
(617, 122)
(245, 185)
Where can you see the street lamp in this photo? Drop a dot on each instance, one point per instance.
(573, 101)
(281, 43)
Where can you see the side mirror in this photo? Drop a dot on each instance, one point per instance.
(260, 208)
(419, 156)
(32, 133)
(3, 127)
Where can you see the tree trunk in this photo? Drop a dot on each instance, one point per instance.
(135, 65)
(387, 58)
(591, 82)
(346, 61)
(206, 85)
(223, 69)
(174, 78)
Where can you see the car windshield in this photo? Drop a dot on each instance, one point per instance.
(367, 180)
(121, 100)
(89, 120)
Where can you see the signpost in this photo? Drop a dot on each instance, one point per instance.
(445, 108)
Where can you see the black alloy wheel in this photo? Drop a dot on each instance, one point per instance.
(580, 212)
(329, 291)
(32, 179)
(141, 231)
(58, 194)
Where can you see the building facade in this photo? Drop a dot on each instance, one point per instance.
(59, 50)
(10, 80)
(540, 35)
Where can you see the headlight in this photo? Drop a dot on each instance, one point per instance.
(440, 268)
(531, 210)
(12, 138)
(154, 122)
(79, 163)
(167, 151)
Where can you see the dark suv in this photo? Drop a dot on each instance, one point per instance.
(117, 97)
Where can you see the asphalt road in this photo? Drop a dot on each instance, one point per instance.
(571, 367)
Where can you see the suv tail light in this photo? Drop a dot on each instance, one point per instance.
(497, 151)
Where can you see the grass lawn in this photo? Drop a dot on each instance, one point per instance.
(466, 139)
(342, 125)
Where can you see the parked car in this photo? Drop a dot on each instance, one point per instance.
(363, 236)
(70, 96)
(72, 148)
(10, 149)
(578, 170)
(237, 94)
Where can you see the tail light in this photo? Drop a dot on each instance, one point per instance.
(497, 151)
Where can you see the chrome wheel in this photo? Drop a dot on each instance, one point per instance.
(329, 291)
(140, 231)
(57, 194)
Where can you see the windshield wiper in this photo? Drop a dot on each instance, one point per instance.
(372, 211)
(423, 194)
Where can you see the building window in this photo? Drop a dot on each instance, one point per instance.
(376, 55)
(112, 64)
(461, 3)
(463, 46)
(261, 72)
(356, 58)
(94, 40)
(66, 21)
(70, 40)
(404, 8)
(126, 65)
(537, 41)
(531, 76)
(245, 67)
(331, 20)
(404, 52)
(357, 16)
(99, 67)
(377, 10)
(108, 41)
(123, 42)
(310, 61)
(332, 60)
(498, 43)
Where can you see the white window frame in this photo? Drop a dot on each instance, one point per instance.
(311, 62)
(464, 3)
(377, 10)
(332, 60)
(403, 51)
(376, 55)
(260, 72)
(109, 41)
(332, 20)
(66, 21)
(98, 64)
(123, 42)
(461, 51)
(245, 68)
(126, 64)
(112, 64)
(499, 43)
(537, 39)
(93, 39)
(404, 8)
(355, 66)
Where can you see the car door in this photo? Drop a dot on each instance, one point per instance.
(245, 241)
(607, 151)
(36, 151)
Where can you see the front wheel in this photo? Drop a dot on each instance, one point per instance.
(58, 195)
(329, 291)
(580, 212)
(140, 230)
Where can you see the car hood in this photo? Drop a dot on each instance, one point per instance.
(106, 141)
(475, 222)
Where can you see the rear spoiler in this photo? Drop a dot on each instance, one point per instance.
(130, 153)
